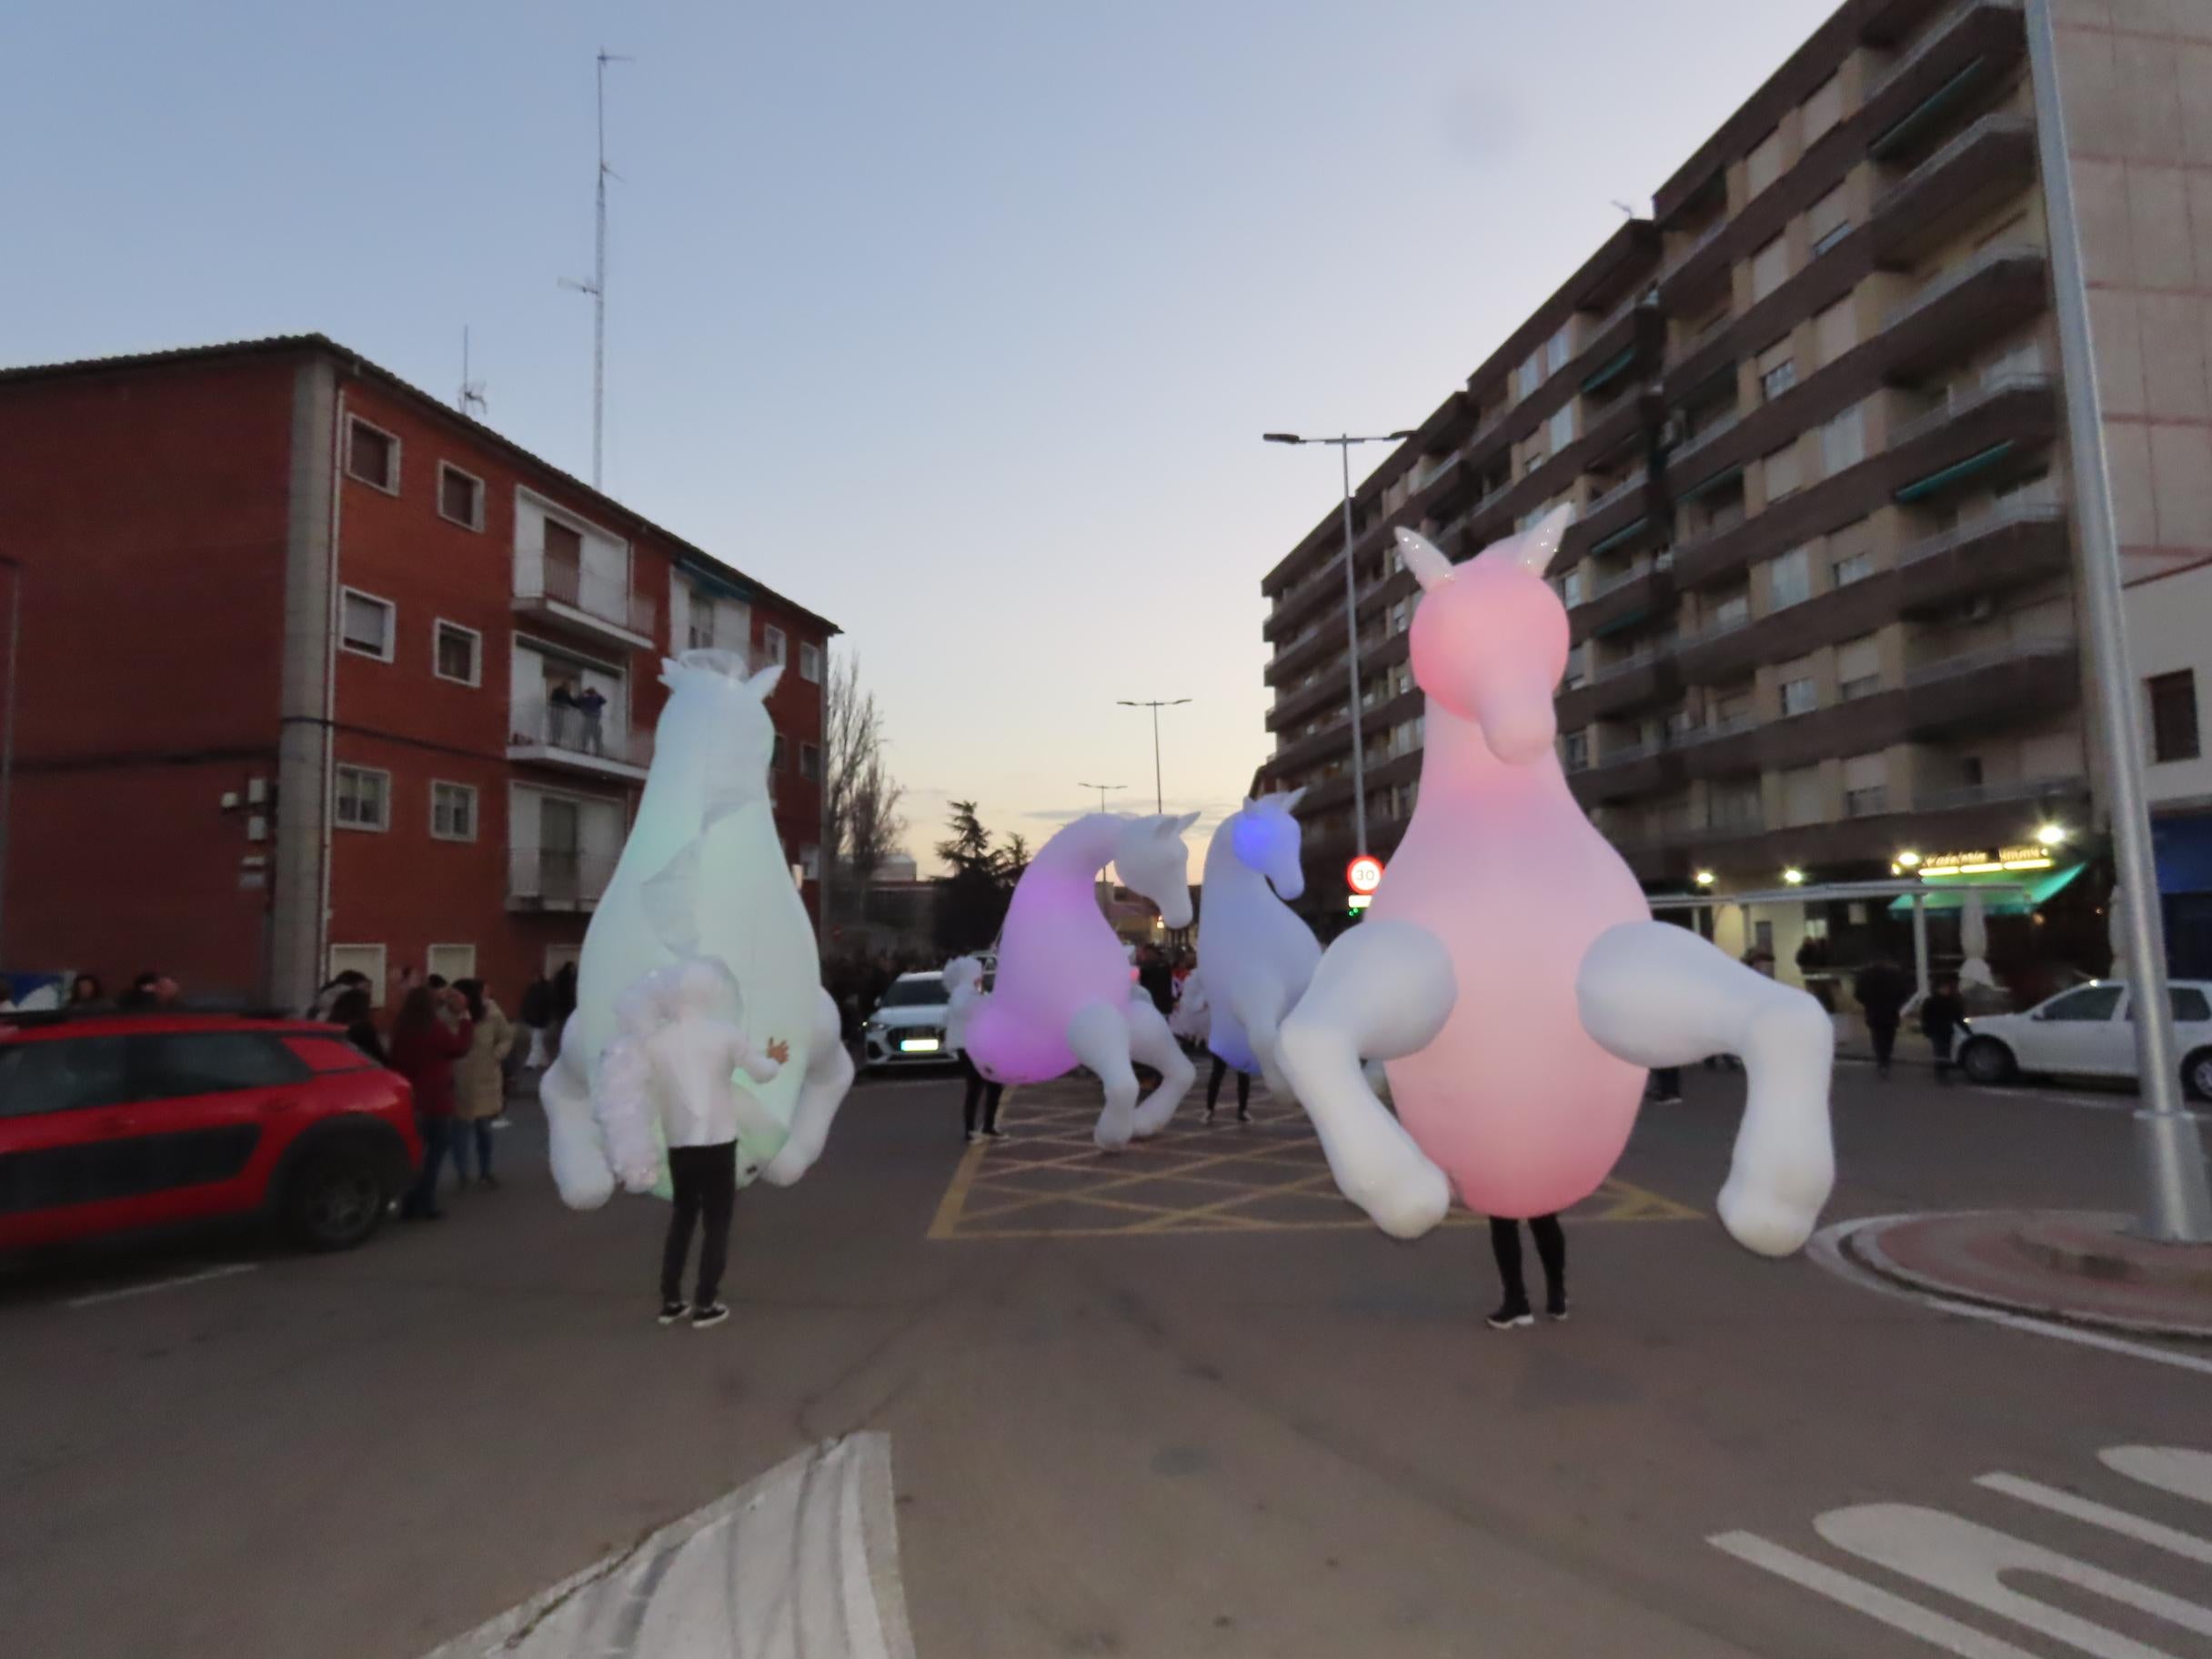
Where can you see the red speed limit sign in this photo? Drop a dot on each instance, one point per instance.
(1364, 874)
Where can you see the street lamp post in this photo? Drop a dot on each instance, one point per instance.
(1351, 617)
(1159, 795)
(2178, 1204)
(1101, 788)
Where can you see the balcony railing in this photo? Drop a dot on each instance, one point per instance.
(1704, 241)
(1930, 42)
(2034, 510)
(558, 877)
(1637, 570)
(1630, 663)
(1619, 492)
(1996, 794)
(569, 732)
(1937, 418)
(1999, 123)
(601, 596)
(1714, 631)
(1946, 282)
(1714, 731)
(1973, 662)
(1691, 446)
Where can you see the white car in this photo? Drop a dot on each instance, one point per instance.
(908, 1027)
(2087, 1033)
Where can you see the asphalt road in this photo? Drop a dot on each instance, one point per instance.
(1151, 1439)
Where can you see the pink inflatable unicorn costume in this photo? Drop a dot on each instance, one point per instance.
(1508, 972)
(1064, 995)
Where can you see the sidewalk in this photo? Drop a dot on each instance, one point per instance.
(2069, 1265)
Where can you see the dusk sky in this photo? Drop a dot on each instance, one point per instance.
(958, 323)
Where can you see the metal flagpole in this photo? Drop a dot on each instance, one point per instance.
(2178, 1204)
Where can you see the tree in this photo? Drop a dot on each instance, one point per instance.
(1012, 860)
(971, 897)
(861, 823)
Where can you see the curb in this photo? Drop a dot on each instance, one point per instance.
(2110, 1267)
(1863, 1249)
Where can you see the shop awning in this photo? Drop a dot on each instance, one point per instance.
(1625, 533)
(1921, 489)
(714, 583)
(1949, 892)
(1611, 371)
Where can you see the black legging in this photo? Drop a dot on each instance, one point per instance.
(1551, 1250)
(1884, 1035)
(980, 1088)
(1213, 1089)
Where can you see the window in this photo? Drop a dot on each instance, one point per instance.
(364, 799)
(1770, 268)
(1823, 110)
(2173, 716)
(1575, 750)
(2090, 1002)
(1784, 472)
(1829, 220)
(459, 654)
(1803, 801)
(1556, 348)
(461, 496)
(1799, 696)
(1562, 429)
(1858, 667)
(2190, 1007)
(1576, 674)
(365, 625)
(810, 762)
(372, 455)
(1570, 589)
(1777, 369)
(174, 1067)
(1764, 164)
(1843, 441)
(66, 1074)
(1531, 373)
(1866, 785)
(1732, 613)
(1836, 330)
(1789, 579)
(453, 811)
(1852, 567)
(451, 963)
(773, 645)
(365, 959)
(810, 664)
(775, 755)
(564, 545)
(1737, 805)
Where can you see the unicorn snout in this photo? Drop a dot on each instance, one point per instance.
(1520, 731)
(1176, 912)
(1289, 885)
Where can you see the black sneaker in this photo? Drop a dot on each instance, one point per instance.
(713, 1313)
(1555, 1309)
(1512, 1316)
(670, 1311)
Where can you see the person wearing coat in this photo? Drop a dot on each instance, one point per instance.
(426, 1050)
(479, 1082)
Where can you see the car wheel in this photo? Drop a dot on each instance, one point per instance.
(2197, 1075)
(1986, 1060)
(336, 1200)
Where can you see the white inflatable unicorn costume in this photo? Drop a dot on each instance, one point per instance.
(703, 878)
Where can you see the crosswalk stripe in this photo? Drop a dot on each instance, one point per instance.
(2111, 1520)
(1870, 1599)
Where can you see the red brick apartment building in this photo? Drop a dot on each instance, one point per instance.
(291, 635)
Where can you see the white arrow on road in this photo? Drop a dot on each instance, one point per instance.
(802, 1561)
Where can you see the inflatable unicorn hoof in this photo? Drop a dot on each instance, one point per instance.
(1766, 1220)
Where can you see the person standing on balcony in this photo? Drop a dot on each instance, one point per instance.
(561, 716)
(591, 708)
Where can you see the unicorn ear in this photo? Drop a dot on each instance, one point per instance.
(1249, 805)
(669, 670)
(764, 682)
(1290, 802)
(1536, 549)
(1424, 557)
(1183, 824)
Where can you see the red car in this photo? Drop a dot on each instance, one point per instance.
(111, 1124)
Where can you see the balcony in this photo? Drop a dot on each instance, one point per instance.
(1976, 795)
(1633, 682)
(2013, 547)
(557, 878)
(1693, 270)
(2003, 685)
(563, 596)
(1973, 435)
(1717, 651)
(1974, 302)
(1613, 511)
(1719, 749)
(1623, 773)
(1994, 157)
(1964, 54)
(547, 735)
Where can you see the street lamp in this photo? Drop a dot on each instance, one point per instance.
(1351, 613)
(1158, 795)
(1101, 788)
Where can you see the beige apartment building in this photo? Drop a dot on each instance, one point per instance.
(1811, 416)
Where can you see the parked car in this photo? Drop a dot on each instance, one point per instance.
(2088, 1031)
(908, 1027)
(114, 1123)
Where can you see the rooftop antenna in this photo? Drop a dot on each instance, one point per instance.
(472, 400)
(596, 286)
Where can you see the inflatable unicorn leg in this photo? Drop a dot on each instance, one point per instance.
(1098, 1033)
(1658, 995)
(578, 1151)
(1151, 1042)
(1383, 990)
(821, 1093)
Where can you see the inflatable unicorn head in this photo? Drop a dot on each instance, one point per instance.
(1150, 856)
(1265, 839)
(1490, 638)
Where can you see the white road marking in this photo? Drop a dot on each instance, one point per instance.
(162, 1285)
(1967, 1560)
(1894, 1610)
(1826, 1248)
(2108, 1103)
(2175, 1469)
(2100, 1514)
(802, 1561)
